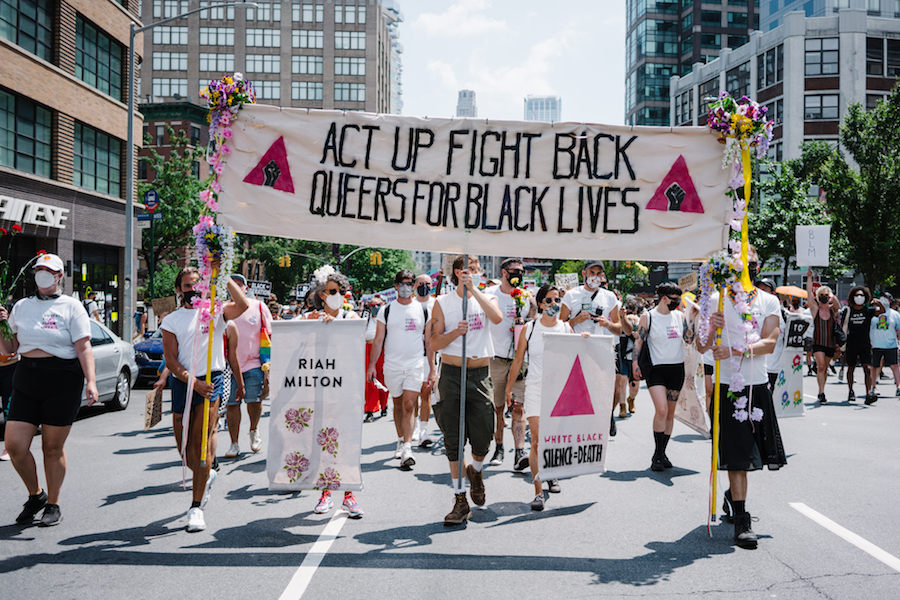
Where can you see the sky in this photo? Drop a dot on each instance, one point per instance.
(507, 49)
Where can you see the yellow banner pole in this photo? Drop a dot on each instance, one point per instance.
(212, 311)
(745, 235)
(715, 420)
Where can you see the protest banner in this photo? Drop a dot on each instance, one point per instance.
(691, 406)
(153, 408)
(788, 394)
(812, 245)
(260, 290)
(576, 402)
(566, 281)
(317, 379)
(560, 190)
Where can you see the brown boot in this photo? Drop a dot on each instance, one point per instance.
(476, 485)
(622, 411)
(631, 405)
(460, 511)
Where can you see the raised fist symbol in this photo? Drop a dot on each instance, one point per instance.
(272, 173)
(676, 196)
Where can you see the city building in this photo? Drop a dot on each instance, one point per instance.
(465, 104)
(668, 37)
(543, 108)
(63, 126)
(341, 55)
(774, 11)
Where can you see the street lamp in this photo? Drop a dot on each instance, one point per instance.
(128, 333)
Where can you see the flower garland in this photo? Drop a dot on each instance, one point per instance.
(224, 98)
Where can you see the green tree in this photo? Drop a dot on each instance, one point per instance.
(372, 278)
(163, 281)
(570, 266)
(864, 199)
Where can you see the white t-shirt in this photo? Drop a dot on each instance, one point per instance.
(534, 332)
(580, 300)
(91, 308)
(773, 361)
(183, 323)
(50, 325)
(478, 339)
(753, 368)
(666, 337)
(502, 332)
(428, 304)
(404, 341)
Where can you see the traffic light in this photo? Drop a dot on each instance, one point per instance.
(375, 259)
(280, 261)
(627, 264)
(287, 260)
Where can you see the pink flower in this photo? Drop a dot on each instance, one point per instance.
(292, 474)
(295, 427)
(330, 449)
(215, 186)
(225, 149)
(227, 133)
(303, 465)
(291, 414)
(333, 433)
(334, 485)
(205, 195)
(756, 414)
(219, 169)
(320, 483)
(292, 459)
(321, 439)
(330, 473)
(305, 417)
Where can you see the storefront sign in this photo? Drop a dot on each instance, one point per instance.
(33, 213)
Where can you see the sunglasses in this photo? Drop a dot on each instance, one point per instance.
(553, 300)
(408, 284)
(331, 292)
(675, 298)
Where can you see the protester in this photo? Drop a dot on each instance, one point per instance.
(376, 398)
(884, 330)
(421, 434)
(773, 360)
(52, 334)
(856, 320)
(824, 319)
(626, 378)
(515, 309)
(665, 330)
(407, 355)
(249, 325)
(90, 305)
(328, 303)
(186, 348)
(449, 324)
(749, 437)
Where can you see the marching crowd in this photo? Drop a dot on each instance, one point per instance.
(415, 349)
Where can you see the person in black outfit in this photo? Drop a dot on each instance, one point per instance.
(856, 320)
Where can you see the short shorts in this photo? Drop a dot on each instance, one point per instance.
(499, 377)
(47, 391)
(253, 385)
(532, 404)
(829, 352)
(858, 355)
(888, 355)
(398, 381)
(670, 376)
(179, 392)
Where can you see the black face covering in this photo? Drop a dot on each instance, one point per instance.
(423, 289)
(188, 298)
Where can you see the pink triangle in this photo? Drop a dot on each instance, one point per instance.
(678, 177)
(575, 398)
(273, 170)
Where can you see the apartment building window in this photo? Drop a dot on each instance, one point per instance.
(195, 135)
(349, 40)
(306, 90)
(349, 14)
(170, 61)
(175, 36)
(29, 23)
(736, 41)
(264, 38)
(822, 56)
(308, 13)
(221, 63)
(263, 63)
(738, 20)
(142, 168)
(349, 92)
(824, 106)
(775, 111)
(349, 66)
(709, 92)
(687, 44)
(265, 11)
(98, 59)
(160, 135)
(268, 90)
(216, 11)
(875, 56)
(737, 80)
(687, 22)
(711, 18)
(165, 9)
(25, 135)
(306, 65)
(738, 3)
(893, 58)
(168, 87)
(710, 40)
(96, 161)
(684, 107)
(769, 70)
(217, 36)
(307, 38)
(872, 101)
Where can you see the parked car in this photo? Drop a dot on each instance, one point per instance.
(148, 354)
(115, 367)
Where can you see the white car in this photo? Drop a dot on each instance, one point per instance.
(114, 366)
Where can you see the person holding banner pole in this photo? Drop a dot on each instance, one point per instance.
(460, 331)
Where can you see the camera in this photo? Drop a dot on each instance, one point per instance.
(598, 312)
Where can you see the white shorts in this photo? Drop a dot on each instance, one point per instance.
(399, 380)
(532, 404)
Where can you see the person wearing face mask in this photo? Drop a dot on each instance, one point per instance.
(449, 324)
(531, 343)
(52, 334)
(822, 305)
(407, 352)
(591, 309)
(665, 330)
(186, 348)
(856, 320)
(421, 434)
(884, 331)
(502, 336)
(376, 399)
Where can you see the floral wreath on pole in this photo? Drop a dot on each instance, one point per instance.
(224, 98)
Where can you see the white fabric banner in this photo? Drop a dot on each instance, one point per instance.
(317, 386)
(788, 394)
(561, 190)
(576, 403)
(691, 406)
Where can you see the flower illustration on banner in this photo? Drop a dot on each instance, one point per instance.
(295, 464)
(785, 400)
(782, 380)
(798, 397)
(327, 439)
(297, 420)
(797, 363)
(329, 480)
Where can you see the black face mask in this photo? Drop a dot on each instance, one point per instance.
(423, 289)
(188, 298)
(754, 271)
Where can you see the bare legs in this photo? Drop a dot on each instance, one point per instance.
(53, 438)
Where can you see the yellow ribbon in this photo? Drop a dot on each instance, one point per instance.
(715, 420)
(745, 237)
(212, 311)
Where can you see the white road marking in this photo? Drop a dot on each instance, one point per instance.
(864, 545)
(300, 581)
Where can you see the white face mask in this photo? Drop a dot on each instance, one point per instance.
(404, 291)
(334, 301)
(860, 299)
(593, 282)
(44, 279)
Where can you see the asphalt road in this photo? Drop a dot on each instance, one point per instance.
(628, 533)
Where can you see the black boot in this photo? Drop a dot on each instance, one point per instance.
(743, 534)
(728, 508)
(665, 459)
(612, 425)
(657, 463)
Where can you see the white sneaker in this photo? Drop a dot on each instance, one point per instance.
(406, 458)
(234, 450)
(424, 439)
(209, 482)
(399, 449)
(415, 435)
(255, 441)
(195, 520)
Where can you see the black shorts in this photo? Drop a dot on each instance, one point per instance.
(829, 352)
(670, 376)
(709, 369)
(47, 391)
(889, 355)
(858, 355)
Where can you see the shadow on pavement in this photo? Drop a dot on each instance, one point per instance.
(144, 450)
(154, 490)
(268, 496)
(663, 477)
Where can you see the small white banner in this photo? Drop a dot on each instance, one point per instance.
(576, 403)
(812, 245)
(567, 281)
(317, 377)
(788, 394)
(691, 406)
